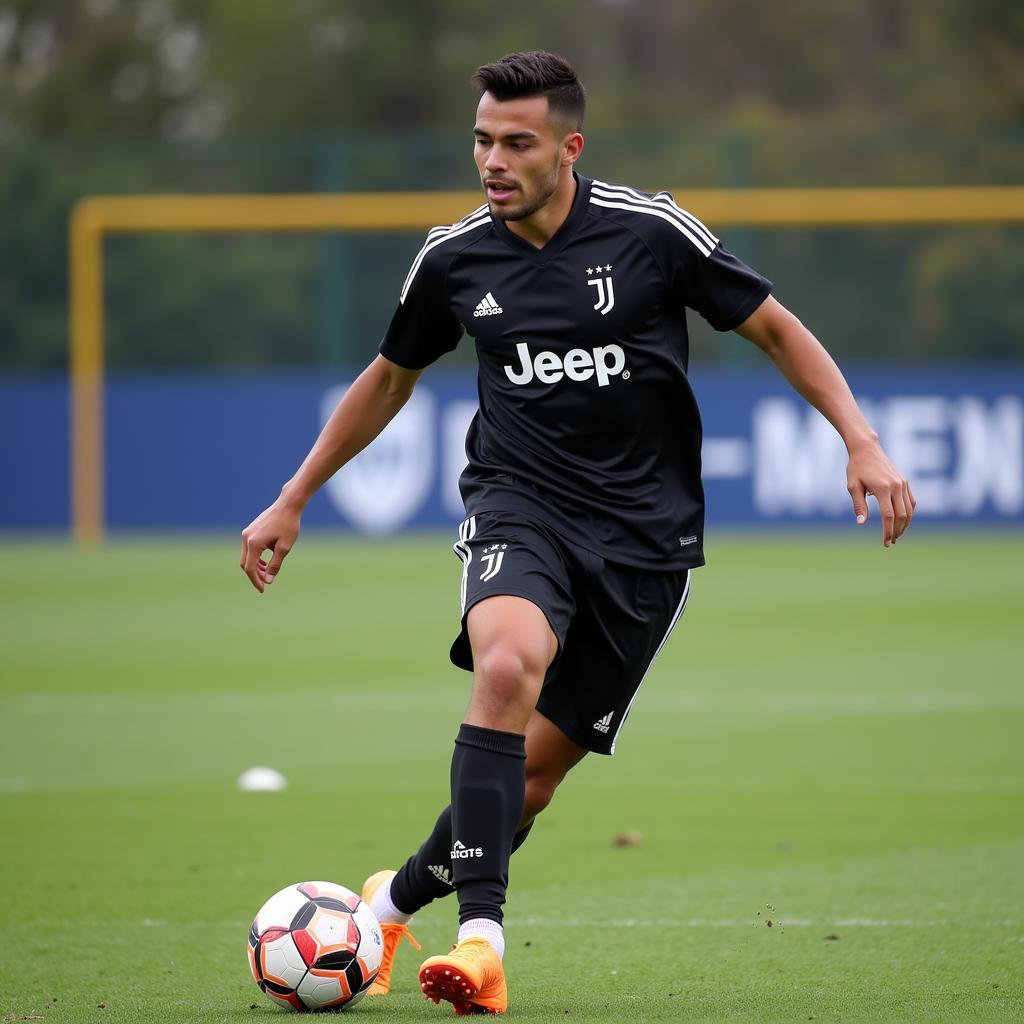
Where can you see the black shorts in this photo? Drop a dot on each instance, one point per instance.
(610, 620)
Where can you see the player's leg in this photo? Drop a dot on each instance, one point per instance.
(426, 875)
(513, 645)
(503, 557)
(431, 871)
(550, 756)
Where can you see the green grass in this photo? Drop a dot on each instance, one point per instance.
(833, 740)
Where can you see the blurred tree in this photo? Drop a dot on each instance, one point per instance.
(205, 68)
(90, 69)
(33, 300)
(258, 95)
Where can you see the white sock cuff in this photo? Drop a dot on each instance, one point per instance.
(385, 911)
(484, 928)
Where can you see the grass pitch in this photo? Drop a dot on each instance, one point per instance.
(826, 767)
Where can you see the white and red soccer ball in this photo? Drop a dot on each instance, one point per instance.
(315, 946)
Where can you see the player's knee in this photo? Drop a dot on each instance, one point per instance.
(507, 675)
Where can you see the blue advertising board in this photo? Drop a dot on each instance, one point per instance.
(209, 452)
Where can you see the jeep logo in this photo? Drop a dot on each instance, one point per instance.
(603, 362)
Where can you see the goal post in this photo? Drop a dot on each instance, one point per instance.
(94, 217)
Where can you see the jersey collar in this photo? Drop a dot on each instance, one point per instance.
(562, 237)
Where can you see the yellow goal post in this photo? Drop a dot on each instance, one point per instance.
(94, 217)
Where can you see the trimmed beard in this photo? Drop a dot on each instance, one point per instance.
(530, 208)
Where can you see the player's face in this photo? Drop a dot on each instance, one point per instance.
(520, 152)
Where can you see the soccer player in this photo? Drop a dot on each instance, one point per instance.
(584, 506)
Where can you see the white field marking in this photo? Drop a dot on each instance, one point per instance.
(70, 705)
(427, 697)
(152, 922)
(758, 785)
(816, 702)
(697, 923)
(874, 922)
(778, 922)
(888, 783)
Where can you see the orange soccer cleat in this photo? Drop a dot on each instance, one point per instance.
(391, 933)
(471, 977)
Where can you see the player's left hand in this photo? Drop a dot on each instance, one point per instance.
(870, 472)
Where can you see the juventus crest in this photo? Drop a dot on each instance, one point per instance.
(493, 556)
(605, 288)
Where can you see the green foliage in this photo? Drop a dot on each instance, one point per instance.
(33, 292)
(101, 68)
(115, 96)
(830, 742)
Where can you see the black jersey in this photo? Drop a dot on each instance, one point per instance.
(587, 420)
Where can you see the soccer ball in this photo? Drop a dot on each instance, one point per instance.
(315, 946)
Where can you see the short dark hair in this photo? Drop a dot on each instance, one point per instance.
(535, 73)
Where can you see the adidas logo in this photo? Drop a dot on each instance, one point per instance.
(487, 306)
(442, 874)
(460, 852)
(604, 724)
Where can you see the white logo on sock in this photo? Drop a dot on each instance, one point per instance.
(442, 874)
(460, 852)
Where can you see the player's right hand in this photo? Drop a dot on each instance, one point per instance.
(869, 472)
(274, 530)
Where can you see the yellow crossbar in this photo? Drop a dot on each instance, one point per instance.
(95, 216)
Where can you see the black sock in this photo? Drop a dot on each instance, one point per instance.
(488, 793)
(427, 875)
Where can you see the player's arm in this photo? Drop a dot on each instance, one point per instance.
(813, 373)
(366, 408)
